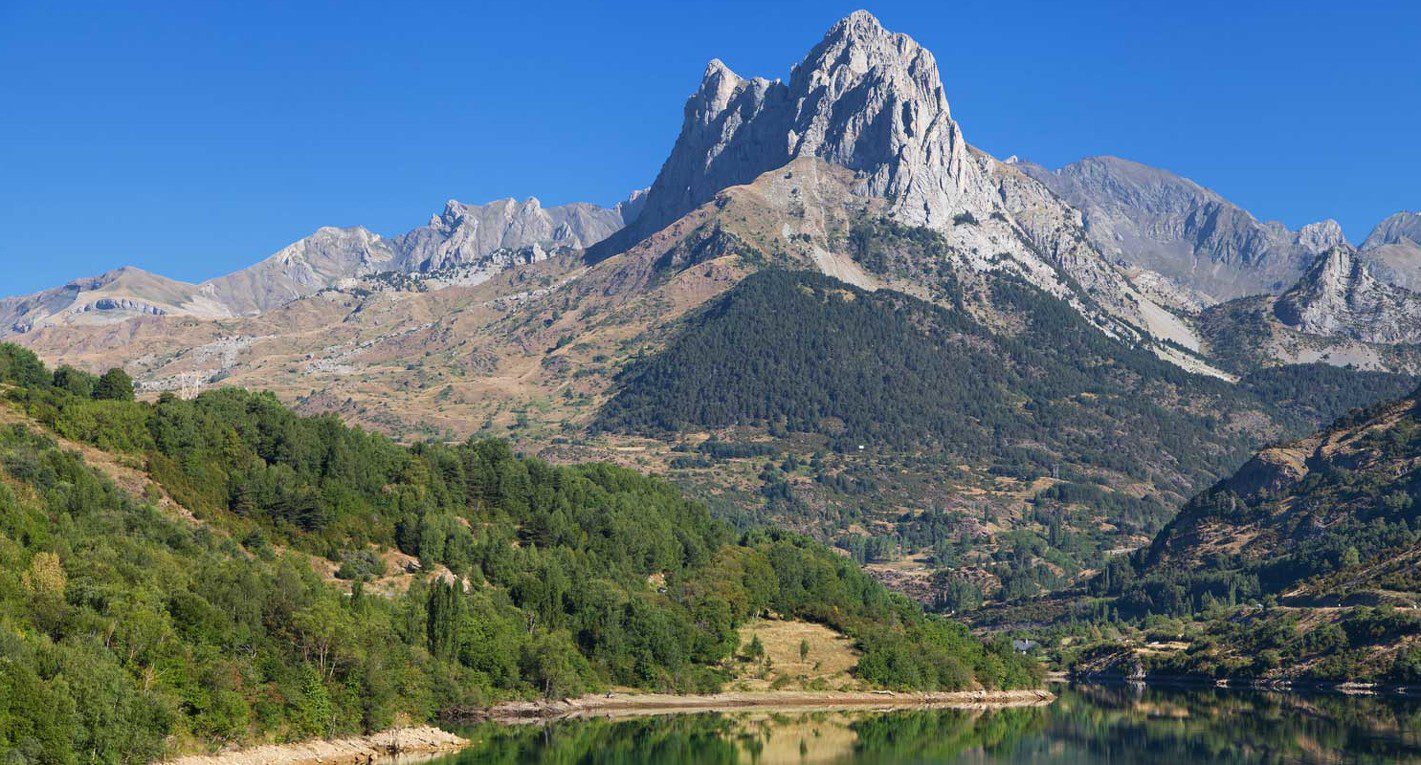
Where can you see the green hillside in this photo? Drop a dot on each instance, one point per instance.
(128, 631)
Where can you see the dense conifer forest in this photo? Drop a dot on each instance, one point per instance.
(795, 351)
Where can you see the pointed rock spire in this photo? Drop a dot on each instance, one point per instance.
(1339, 296)
(865, 98)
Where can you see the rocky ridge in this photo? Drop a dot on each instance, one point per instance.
(464, 244)
(1393, 250)
(1340, 297)
(1157, 220)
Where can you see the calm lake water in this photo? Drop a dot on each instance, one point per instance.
(1086, 725)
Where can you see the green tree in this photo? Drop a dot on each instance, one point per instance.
(114, 385)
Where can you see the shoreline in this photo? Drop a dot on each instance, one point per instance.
(422, 741)
(1281, 685)
(428, 741)
(647, 704)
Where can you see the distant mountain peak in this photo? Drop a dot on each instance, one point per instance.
(1321, 236)
(1401, 228)
(1164, 222)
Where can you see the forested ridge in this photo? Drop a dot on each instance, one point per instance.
(127, 633)
(1303, 565)
(800, 351)
(1354, 500)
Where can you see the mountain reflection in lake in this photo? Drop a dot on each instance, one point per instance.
(1087, 725)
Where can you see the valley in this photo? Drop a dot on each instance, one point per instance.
(838, 403)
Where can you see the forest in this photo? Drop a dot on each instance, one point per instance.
(1045, 391)
(129, 632)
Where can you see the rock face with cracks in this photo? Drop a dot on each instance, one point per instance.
(1340, 297)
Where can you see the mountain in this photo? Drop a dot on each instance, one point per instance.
(1339, 296)
(1300, 567)
(467, 243)
(863, 98)
(464, 235)
(303, 268)
(1011, 386)
(872, 101)
(1154, 219)
(1393, 250)
(112, 297)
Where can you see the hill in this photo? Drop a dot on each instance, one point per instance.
(206, 610)
(1302, 566)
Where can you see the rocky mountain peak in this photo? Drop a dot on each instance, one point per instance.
(1401, 228)
(1393, 250)
(1339, 296)
(863, 98)
(1321, 236)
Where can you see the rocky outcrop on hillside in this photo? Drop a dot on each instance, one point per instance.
(303, 268)
(1340, 297)
(1393, 250)
(111, 297)
(1171, 225)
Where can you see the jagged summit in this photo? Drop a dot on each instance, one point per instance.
(864, 98)
(1340, 296)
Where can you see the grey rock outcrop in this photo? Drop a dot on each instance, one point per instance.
(302, 268)
(864, 98)
(1393, 250)
(462, 235)
(1339, 297)
(1157, 220)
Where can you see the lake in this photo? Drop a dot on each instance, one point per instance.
(1085, 726)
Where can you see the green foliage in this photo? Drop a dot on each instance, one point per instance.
(114, 385)
(802, 352)
(123, 629)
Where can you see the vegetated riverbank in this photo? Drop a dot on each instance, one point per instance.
(401, 742)
(639, 704)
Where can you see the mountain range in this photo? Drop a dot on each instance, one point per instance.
(464, 243)
(828, 309)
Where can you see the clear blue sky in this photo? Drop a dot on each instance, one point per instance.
(194, 138)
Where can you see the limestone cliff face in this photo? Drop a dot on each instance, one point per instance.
(863, 98)
(1157, 220)
(466, 235)
(1339, 296)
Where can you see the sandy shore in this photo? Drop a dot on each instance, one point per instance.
(404, 742)
(630, 705)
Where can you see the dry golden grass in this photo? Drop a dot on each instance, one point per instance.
(827, 665)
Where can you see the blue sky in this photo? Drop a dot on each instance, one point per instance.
(194, 138)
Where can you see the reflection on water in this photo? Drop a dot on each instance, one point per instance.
(1087, 725)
